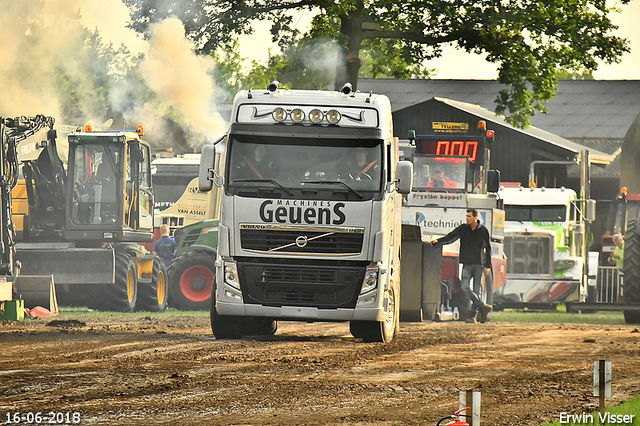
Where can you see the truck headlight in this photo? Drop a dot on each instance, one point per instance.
(231, 275)
(370, 281)
(565, 263)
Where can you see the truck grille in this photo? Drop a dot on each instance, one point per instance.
(529, 255)
(280, 241)
(331, 286)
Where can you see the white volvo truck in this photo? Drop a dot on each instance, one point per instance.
(310, 224)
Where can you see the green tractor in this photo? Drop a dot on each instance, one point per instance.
(192, 273)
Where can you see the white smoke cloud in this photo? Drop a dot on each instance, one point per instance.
(41, 38)
(181, 78)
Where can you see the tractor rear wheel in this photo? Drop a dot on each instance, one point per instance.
(153, 296)
(191, 278)
(632, 270)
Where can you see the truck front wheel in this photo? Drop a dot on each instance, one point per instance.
(380, 331)
(224, 326)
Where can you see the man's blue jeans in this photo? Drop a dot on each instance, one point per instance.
(472, 272)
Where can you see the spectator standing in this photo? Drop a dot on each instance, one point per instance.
(475, 257)
(165, 247)
(617, 258)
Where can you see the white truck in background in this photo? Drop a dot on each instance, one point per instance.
(309, 233)
(543, 240)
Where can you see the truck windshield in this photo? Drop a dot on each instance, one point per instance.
(96, 167)
(431, 173)
(550, 213)
(297, 164)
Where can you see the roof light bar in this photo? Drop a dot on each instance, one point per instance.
(298, 116)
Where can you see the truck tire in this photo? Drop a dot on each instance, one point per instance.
(258, 326)
(380, 331)
(153, 296)
(631, 270)
(122, 295)
(191, 278)
(224, 326)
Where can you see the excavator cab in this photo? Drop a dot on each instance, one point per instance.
(109, 193)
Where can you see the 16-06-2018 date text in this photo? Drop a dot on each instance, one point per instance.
(43, 418)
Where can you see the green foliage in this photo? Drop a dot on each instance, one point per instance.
(528, 40)
(563, 74)
(302, 65)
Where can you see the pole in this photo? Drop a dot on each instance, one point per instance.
(585, 194)
(601, 384)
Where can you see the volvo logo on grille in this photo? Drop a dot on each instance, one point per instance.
(302, 241)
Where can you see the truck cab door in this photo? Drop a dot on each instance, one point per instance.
(138, 187)
(145, 192)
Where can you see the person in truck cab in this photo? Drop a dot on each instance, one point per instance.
(439, 180)
(257, 165)
(358, 167)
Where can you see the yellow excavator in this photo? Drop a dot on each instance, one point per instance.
(82, 224)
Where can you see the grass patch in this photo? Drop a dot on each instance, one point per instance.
(628, 408)
(559, 316)
(85, 314)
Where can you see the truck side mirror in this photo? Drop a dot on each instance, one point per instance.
(205, 179)
(404, 176)
(493, 180)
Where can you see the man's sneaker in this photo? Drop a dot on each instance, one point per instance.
(483, 313)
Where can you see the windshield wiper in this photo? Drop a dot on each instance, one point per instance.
(333, 182)
(266, 181)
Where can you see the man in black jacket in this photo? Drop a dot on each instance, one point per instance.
(475, 251)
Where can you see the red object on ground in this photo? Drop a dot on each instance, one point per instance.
(39, 311)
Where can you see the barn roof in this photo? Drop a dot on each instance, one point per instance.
(581, 108)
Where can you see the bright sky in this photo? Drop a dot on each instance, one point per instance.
(456, 64)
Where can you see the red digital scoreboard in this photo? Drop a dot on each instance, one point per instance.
(456, 146)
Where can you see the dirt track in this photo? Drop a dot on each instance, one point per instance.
(171, 370)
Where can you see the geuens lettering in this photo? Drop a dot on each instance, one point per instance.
(308, 215)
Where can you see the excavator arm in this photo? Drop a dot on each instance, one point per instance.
(13, 131)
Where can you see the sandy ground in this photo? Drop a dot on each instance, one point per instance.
(170, 370)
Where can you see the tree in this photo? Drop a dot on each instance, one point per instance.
(529, 40)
